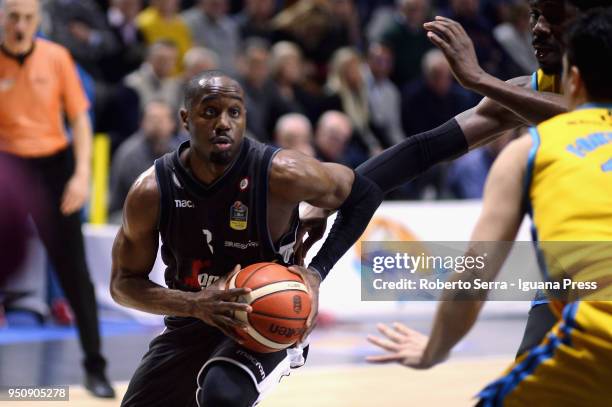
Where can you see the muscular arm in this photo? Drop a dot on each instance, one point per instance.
(496, 228)
(134, 253)
(296, 178)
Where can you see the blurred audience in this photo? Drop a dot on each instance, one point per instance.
(332, 137)
(212, 28)
(433, 99)
(348, 92)
(137, 153)
(466, 176)
(406, 39)
(154, 80)
(515, 37)
(255, 19)
(384, 97)
(196, 61)
(161, 21)
(294, 131)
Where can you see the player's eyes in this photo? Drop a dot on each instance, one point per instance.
(210, 111)
(235, 112)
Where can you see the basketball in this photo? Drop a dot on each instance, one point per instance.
(281, 305)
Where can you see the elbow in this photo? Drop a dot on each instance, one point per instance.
(116, 289)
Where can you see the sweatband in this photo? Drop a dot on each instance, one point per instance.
(399, 164)
(352, 219)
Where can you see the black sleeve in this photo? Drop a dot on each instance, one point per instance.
(351, 221)
(404, 161)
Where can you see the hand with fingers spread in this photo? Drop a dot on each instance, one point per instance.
(313, 221)
(313, 281)
(404, 346)
(217, 306)
(458, 48)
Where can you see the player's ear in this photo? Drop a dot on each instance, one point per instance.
(184, 118)
(575, 83)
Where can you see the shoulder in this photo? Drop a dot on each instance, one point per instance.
(294, 170)
(143, 200)
(513, 159)
(53, 50)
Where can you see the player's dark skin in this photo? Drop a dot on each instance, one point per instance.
(216, 121)
(506, 105)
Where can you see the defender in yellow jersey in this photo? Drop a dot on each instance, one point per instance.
(561, 174)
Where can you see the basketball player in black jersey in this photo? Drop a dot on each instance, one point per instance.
(219, 201)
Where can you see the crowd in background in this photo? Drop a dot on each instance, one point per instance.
(337, 79)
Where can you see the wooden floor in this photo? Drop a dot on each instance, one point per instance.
(451, 384)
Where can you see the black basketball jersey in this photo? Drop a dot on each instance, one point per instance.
(207, 229)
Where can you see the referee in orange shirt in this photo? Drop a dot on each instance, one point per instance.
(39, 86)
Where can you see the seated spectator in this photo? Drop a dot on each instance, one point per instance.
(490, 54)
(153, 80)
(212, 28)
(332, 137)
(515, 37)
(137, 153)
(254, 20)
(161, 21)
(407, 40)
(383, 96)
(80, 26)
(346, 85)
(130, 52)
(434, 99)
(196, 61)
(294, 131)
(466, 176)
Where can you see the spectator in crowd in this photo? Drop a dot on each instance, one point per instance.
(406, 38)
(294, 131)
(137, 153)
(490, 54)
(34, 135)
(319, 27)
(154, 80)
(332, 137)
(466, 176)
(161, 21)
(213, 28)
(254, 20)
(261, 96)
(384, 97)
(432, 100)
(515, 37)
(196, 61)
(348, 91)
(130, 52)
(80, 26)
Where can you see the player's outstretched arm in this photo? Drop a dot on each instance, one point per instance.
(134, 253)
(496, 228)
(534, 107)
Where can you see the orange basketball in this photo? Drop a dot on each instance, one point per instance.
(280, 302)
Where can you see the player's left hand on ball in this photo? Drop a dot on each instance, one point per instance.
(403, 345)
(458, 48)
(313, 281)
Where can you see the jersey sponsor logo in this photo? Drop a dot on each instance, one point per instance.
(240, 245)
(239, 214)
(607, 166)
(244, 183)
(183, 203)
(584, 145)
(206, 280)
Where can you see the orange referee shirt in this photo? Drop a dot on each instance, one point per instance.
(35, 93)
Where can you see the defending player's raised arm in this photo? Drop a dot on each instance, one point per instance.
(533, 107)
(296, 178)
(134, 254)
(497, 226)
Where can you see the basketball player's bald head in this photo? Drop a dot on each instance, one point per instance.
(209, 84)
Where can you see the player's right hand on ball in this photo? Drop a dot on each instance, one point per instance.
(217, 306)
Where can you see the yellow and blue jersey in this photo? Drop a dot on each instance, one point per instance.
(569, 191)
(543, 82)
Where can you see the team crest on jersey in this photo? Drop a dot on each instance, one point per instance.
(244, 183)
(239, 214)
